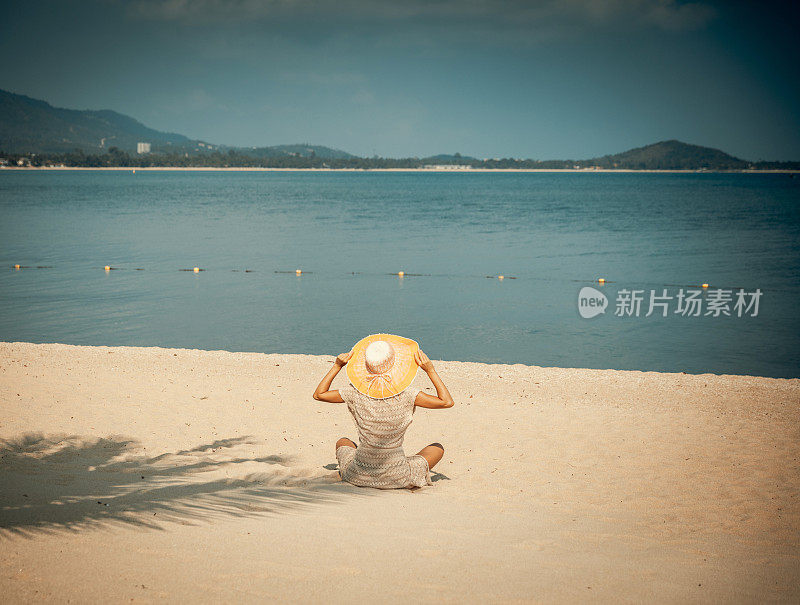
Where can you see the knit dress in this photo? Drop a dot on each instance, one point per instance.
(379, 461)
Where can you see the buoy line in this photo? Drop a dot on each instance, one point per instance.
(601, 281)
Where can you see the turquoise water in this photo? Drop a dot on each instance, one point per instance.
(554, 233)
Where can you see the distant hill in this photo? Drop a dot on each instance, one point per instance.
(670, 155)
(445, 158)
(31, 126)
(302, 151)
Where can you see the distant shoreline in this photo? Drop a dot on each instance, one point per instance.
(425, 170)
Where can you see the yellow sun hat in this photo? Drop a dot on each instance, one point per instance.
(383, 365)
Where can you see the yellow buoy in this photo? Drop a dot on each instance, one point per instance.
(705, 285)
(602, 280)
(16, 266)
(134, 171)
(501, 277)
(196, 269)
(107, 268)
(298, 271)
(401, 273)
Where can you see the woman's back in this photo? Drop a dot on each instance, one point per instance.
(381, 423)
(379, 460)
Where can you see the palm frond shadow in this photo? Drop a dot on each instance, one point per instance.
(71, 483)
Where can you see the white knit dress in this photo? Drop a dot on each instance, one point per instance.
(379, 461)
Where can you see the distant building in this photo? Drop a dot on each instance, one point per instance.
(142, 147)
(447, 167)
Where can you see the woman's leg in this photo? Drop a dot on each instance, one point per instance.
(432, 453)
(345, 441)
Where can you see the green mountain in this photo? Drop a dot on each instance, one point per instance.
(300, 151)
(31, 126)
(669, 155)
(446, 158)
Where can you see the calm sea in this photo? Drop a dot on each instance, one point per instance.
(654, 236)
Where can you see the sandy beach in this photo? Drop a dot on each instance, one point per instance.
(149, 474)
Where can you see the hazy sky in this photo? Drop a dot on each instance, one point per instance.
(489, 78)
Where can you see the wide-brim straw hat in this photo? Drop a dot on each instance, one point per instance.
(386, 379)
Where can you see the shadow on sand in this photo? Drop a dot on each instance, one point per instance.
(435, 475)
(70, 483)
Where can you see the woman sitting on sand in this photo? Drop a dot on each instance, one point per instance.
(381, 369)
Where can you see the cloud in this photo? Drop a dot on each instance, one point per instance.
(668, 15)
(325, 78)
(201, 12)
(363, 97)
(663, 14)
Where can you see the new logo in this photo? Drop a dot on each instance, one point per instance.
(591, 302)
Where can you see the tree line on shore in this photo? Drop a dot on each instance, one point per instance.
(232, 158)
(116, 158)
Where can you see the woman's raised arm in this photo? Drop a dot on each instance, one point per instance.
(443, 398)
(321, 393)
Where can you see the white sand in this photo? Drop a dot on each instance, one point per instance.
(558, 485)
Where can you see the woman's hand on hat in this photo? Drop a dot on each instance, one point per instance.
(341, 360)
(423, 361)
